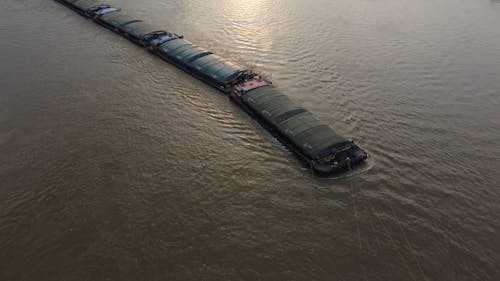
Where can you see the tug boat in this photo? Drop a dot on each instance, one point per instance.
(314, 142)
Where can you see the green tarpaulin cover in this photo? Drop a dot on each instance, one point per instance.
(85, 4)
(200, 59)
(301, 127)
(118, 19)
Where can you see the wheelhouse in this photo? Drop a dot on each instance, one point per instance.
(162, 39)
(146, 39)
(251, 83)
(90, 12)
(105, 11)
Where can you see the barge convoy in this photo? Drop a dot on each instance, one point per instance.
(314, 142)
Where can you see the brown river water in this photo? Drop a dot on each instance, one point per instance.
(115, 165)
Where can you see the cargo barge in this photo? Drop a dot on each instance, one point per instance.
(313, 141)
